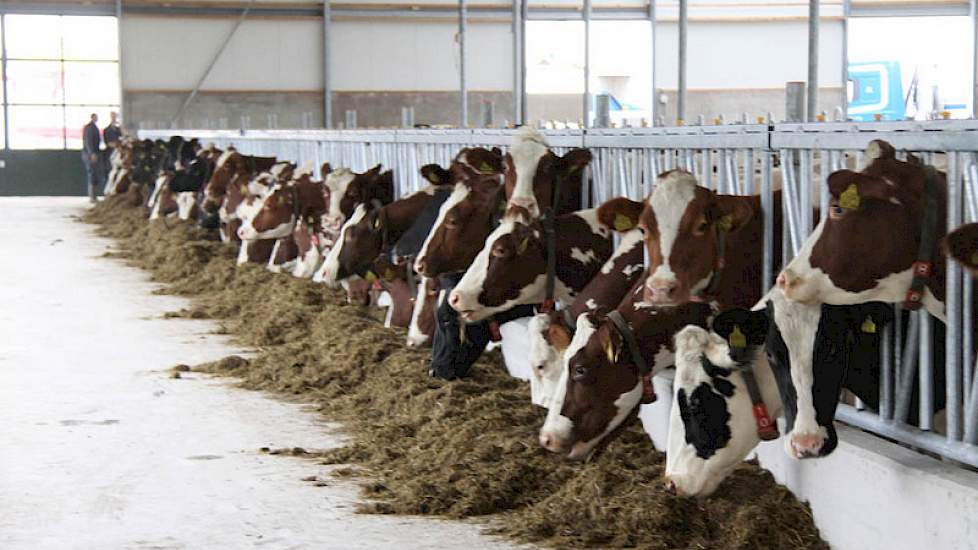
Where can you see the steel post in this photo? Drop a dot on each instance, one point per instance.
(683, 32)
(587, 64)
(463, 91)
(813, 28)
(327, 66)
(953, 306)
(655, 87)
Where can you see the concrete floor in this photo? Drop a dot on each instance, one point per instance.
(100, 449)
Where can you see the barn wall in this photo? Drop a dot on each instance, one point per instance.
(274, 66)
(44, 172)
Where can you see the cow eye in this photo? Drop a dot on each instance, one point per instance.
(451, 222)
(836, 211)
(499, 252)
(701, 228)
(580, 372)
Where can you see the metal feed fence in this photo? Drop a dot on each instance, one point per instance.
(736, 159)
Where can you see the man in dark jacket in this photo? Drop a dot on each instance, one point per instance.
(113, 132)
(91, 144)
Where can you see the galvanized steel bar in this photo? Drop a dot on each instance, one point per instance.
(683, 38)
(925, 413)
(767, 205)
(908, 370)
(327, 65)
(845, 58)
(463, 90)
(518, 61)
(653, 111)
(587, 64)
(813, 29)
(953, 306)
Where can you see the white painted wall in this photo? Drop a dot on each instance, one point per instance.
(287, 54)
(172, 53)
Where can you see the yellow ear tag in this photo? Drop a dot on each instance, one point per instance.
(868, 326)
(485, 168)
(523, 244)
(377, 223)
(370, 277)
(849, 199)
(433, 177)
(389, 274)
(611, 352)
(973, 259)
(737, 338)
(622, 222)
(281, 201)
(243, 189)
(725, 223)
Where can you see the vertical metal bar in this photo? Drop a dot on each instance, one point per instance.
(118, 57)
(845, 59)
(813, 24)
(683, 32)
(463, 119)
(953, 306)
(825, 160)
(6, 98)
(652, 25)
(967, 326)
(517, 63)
(886, 372)
(925, 413)
(707, 161)
(524, 11)
(973, 10)
(587, 64)
(767, 205)
(908, 369)
(804, 193)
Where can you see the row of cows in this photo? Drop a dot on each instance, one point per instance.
(678, 287)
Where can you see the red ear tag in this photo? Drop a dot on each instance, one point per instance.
(923, 269)
(648, 391)
(547, 306)
(767, 430)
(914, 300)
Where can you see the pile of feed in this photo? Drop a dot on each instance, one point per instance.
(423, 446)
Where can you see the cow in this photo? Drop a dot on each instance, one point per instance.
(347, 189)
(232, 168)
(531, 173)
(961, 245)
(712, 426)
(422, 324)
(511, 269)
(867, 247)
(550, 332)
(701, 245)
(372, 231)
(604, 379)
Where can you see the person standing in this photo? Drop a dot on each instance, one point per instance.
(111, 135)
(91, 145)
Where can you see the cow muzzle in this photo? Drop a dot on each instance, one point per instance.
(468, 309)
(554, 443)
(662, 291)
(795, 287)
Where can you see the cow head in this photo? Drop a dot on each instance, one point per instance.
(282, 207)
(549, 339)
(961, 245)
(467, 217)
(533, 172)
(811, 348)
(229, 166)
(712, 427)
(681, 222)
(600, 385)
(423, 315)
(864, 249)
(347, 189)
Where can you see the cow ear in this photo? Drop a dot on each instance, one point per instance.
(850, 188)
(574, 161)
(732, 212)
(878, 150)
(436, 174)
(620, 214)
(611, 344)
(961, 245)
(871, 317)
(741, 327)
(497, 151)
(325, 170)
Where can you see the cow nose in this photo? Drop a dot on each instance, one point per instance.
(419, 266)
(671, 488)
(548, 442)
(454, 299)
(662, 289)
(241, 234)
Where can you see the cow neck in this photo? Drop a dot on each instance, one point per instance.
(923, 267)
(551, 236)
(767, 430)
(628, 337)
(713, 286)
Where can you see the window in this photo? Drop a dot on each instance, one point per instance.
(58, 70)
